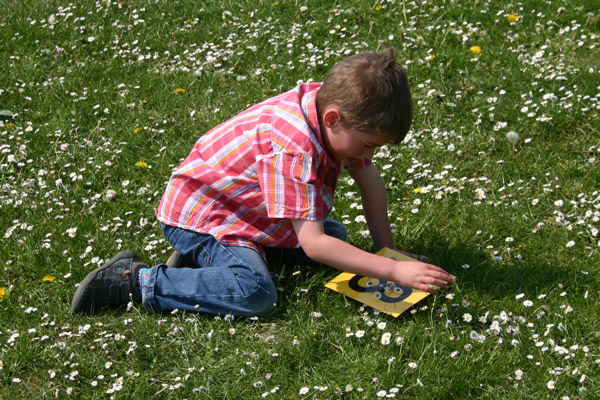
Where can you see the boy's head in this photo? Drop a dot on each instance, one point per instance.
(372, 93)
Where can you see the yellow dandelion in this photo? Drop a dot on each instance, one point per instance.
(2, 292)
(48, 278)
(378, 8)
(9, 124)
(431, 57)
(179, 91)
(475, 49)
(512, 17)
(141, 164)
(137, 130)
(417, 190)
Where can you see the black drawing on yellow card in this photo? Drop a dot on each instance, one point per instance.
(387, 292)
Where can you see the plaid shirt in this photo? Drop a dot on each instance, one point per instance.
(247, 178)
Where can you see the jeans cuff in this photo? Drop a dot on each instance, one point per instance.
(148, 288)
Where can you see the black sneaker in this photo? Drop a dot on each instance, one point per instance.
(177, 260)
(110, 285)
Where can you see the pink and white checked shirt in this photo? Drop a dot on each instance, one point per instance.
(246, 178)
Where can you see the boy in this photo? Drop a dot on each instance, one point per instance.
(266, 178)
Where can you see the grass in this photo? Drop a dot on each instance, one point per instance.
(90, 89)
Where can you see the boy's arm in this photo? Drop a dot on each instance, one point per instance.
(374, 199)
(374, 202)
(334, 252)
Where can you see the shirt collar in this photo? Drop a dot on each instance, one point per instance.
(309, 109)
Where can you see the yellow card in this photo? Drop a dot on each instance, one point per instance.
(389, 297)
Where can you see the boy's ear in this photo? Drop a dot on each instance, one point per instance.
(331, 117)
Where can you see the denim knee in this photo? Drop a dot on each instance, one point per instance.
(261, 302)
(253, 277)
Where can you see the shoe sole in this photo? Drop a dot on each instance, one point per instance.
(77, 305)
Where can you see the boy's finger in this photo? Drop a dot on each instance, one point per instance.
(446, 277)
(427, 288)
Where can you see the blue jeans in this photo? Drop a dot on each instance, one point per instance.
(226, 280)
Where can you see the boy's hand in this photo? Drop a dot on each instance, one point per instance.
(419, 275)
(335, 252)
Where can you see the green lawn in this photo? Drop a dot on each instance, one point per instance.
(99, 101)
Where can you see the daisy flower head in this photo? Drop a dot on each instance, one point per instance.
(385, 338)
(571, 243)
(467, 317)
(71, 232)
(503, 316)
(359, 333)
(412, 365)
(304, 390)
(518, 374)
(527, 303)
(382, 325)
(551, 385)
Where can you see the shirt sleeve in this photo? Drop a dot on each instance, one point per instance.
(290, 186)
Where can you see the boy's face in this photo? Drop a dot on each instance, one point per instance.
(343, 144)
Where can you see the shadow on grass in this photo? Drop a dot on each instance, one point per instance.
(493, 278)
(499, 277)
